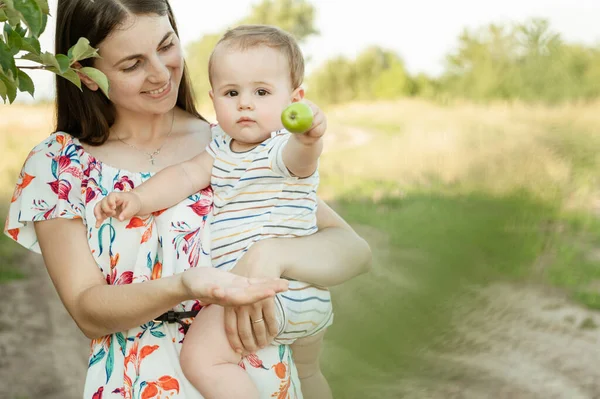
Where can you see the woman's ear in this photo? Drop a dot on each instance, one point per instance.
(89, 83)
(298, 94)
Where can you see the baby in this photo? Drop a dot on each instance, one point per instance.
(264, 181)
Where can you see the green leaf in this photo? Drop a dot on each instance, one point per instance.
(14, 17)
(3, 17)
(30, 44)
(11, 87)
(32, 15)
(72, 77)
(63, 62)
(44, 22)
(21, 30)
(98, 77)
(32, 57)
(43, 4)
(7, 61)
(14, 42)
(25, 83)
(3, 90)
(49, 59)
(82, 50)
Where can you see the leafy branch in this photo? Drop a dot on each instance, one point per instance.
(22, 22)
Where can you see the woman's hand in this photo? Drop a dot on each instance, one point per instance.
(251, 327)
(214, 286)
(242, 332)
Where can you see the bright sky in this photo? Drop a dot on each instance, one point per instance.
(421, 32)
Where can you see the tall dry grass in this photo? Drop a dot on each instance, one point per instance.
(552, 152)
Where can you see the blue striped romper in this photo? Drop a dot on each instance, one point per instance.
(256, 197)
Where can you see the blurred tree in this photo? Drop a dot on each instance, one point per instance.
(379, 73)
(294, 16)
(526, 61)
(375, 74)
(334, 82)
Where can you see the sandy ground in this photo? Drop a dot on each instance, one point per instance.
(521, 342)
(42, 353)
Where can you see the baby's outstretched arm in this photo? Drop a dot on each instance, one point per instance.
(302, 151)
(163, 190)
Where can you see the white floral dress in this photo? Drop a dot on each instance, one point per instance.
(61, 180)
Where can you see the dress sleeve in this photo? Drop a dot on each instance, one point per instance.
(48, 187)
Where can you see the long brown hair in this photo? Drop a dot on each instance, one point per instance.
(88, 114)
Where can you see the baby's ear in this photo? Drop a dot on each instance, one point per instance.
(298, 94)
(211, 94)
(89, 83)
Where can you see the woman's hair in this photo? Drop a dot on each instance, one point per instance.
(88, 114)
(245, 37)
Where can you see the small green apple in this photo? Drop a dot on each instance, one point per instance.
(297, 118)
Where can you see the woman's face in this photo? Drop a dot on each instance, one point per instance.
(144, 64)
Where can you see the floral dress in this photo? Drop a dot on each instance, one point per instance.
(61, 180)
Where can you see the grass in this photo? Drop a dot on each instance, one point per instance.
(438, 245)
(450, 197)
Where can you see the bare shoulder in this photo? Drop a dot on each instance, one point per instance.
(192, 134)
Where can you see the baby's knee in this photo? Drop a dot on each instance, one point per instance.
(308, 369)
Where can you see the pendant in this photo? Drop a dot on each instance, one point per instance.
(152, 156)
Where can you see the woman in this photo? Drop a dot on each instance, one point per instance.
(132, 286)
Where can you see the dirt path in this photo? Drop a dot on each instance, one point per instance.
(521, 342)
(42, 353)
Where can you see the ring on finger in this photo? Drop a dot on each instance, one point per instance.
(257, 321)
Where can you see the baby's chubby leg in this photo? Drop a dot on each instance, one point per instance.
(209, 362)
(306, 353)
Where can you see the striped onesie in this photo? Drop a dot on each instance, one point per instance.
(256, 197)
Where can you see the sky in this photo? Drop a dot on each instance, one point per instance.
(421, 32)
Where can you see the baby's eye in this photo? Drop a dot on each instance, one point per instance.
(262, 92)
(231, 93)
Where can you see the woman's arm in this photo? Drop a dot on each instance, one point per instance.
(100, 309)
(329, 257)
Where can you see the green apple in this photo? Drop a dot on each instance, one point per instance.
(297, 118)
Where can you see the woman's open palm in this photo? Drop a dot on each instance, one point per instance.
(210, 285)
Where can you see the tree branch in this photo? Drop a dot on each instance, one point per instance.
(32, 67)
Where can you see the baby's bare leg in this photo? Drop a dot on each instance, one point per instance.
(208, 361)
(306, 353)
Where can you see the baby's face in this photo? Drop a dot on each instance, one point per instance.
(250, 89)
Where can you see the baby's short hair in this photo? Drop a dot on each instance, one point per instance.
(245, 37)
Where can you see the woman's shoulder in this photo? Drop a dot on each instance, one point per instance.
(198, 130)
(51, 149)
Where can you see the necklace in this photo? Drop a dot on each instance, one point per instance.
(155, 152)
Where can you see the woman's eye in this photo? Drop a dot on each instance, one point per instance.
(133, 67)
(262, 92)
(231, 93)
(167, 47)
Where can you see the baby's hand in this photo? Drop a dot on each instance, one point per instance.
(125, 205)
(319, 125)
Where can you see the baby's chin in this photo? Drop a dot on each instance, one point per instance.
(250, 134)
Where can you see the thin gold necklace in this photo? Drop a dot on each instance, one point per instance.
(155, 152)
